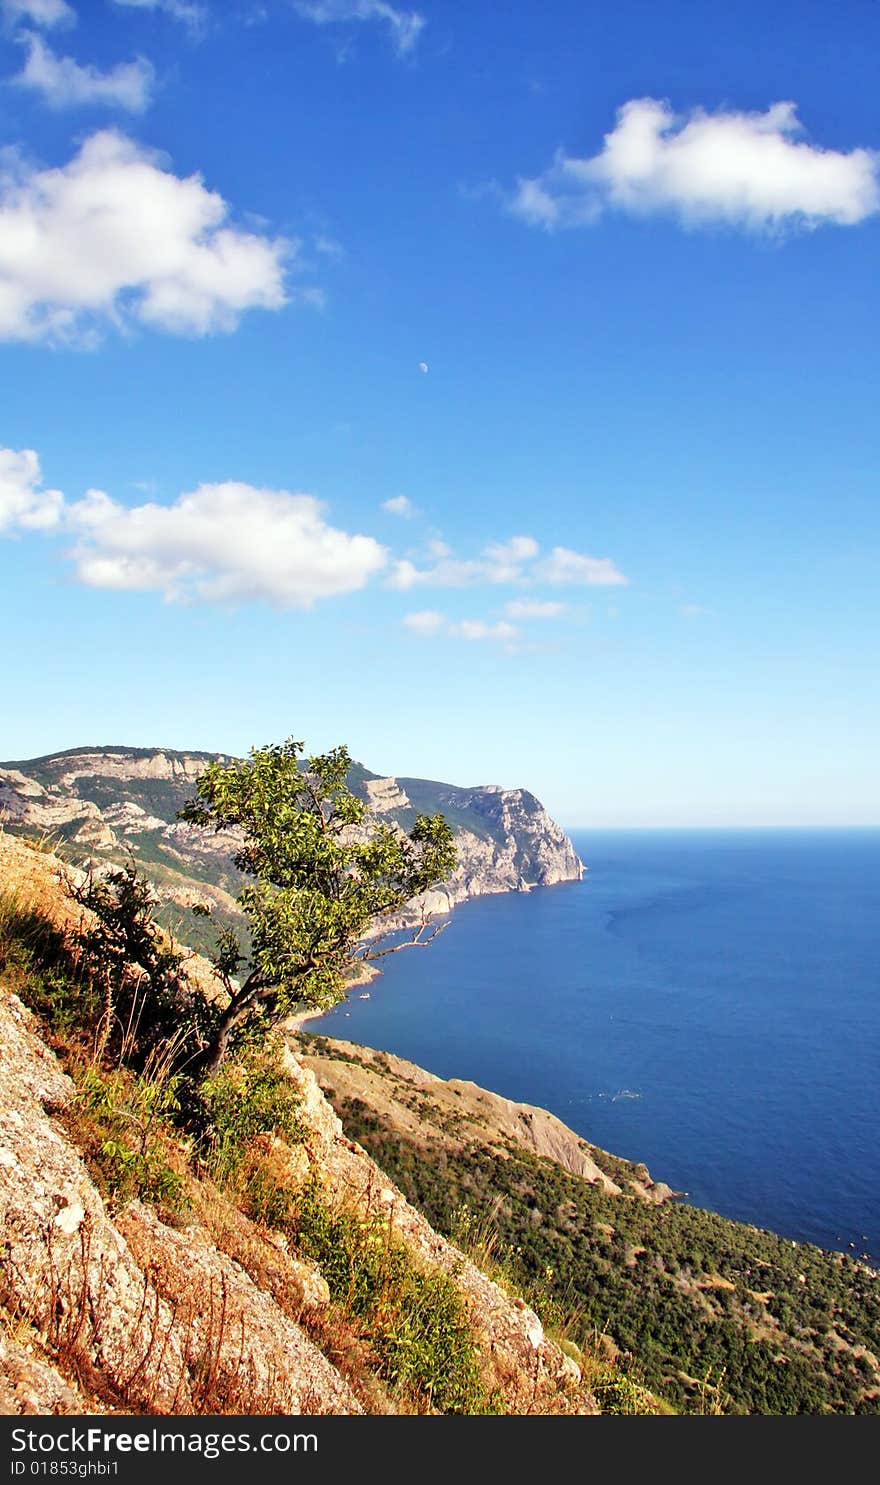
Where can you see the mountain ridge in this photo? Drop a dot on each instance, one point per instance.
(109, 802)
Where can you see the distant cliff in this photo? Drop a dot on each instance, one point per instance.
(506, 840)
(107, 801)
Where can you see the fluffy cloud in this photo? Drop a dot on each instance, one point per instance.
(46, 13)
(749, 170)
(404, 25)
(113, 237)
(63, 83)
(511, 553)
(191, 14)
(511, 561)
(446, 573)
(221, 543)
(533, 608)
(565, 568)
(399, 505)
(24, 503)
(428, 622)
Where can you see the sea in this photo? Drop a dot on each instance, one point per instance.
(704, 1001)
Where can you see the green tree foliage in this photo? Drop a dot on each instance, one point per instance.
(326, 881)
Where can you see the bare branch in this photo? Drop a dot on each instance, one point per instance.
(417, 941)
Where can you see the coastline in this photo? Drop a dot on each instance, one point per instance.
(365, 974)
(613, 1013)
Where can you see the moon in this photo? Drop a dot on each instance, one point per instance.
(423, 367)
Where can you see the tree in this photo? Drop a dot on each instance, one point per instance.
(327, 881)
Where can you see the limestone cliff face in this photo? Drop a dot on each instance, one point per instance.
(104, 801)
(518, 847)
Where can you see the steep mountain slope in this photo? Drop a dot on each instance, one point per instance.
(717, 1314)
(136, 1277)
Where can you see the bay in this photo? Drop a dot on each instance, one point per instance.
(707, 1002)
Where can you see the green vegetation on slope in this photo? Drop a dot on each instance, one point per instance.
(699, 1301)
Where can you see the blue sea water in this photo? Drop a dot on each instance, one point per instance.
(705, 1001)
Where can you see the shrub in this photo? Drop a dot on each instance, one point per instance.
(138, 971)
(122, 1122)
(38, 964)
(249, 1095)
(415, 1318)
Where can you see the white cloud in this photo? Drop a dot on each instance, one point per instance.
(500, 562)
(46, 13)
(447, 573)
(511, 561)
(517, 549)
(399, 505)
(564, 567)
(190, 13)
(405, 25)
(693, 611)
(533, 608)
(475, 629)
(65, 84)
(426, 621)
(113, 237)
(221, 543)
(749, 170)
(23, 500)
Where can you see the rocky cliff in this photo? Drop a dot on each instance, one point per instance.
(108, 801)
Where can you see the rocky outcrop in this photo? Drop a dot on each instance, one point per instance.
(521, 848)
(426, 1109)
(125, 764)
(147, 1317)
(125, 1311)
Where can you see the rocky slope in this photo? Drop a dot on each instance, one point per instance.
(449, 1114)
(713, 1315)
(109, 1304)
(105, 802)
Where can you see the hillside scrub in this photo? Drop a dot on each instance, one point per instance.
(191, 1171)
(709, 1314)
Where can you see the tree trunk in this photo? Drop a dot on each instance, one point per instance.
(239, 1010)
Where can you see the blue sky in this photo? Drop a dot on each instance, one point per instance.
(493, 390)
